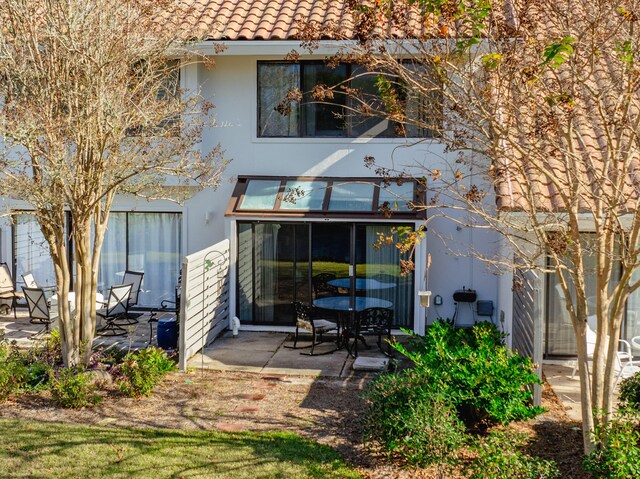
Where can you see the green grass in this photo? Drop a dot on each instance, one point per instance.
(52, 450)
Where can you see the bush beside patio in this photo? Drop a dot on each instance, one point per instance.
(40, 369)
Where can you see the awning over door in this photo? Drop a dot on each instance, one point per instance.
(327, 197)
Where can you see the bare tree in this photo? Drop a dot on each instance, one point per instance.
(90, 108)
(538, 102)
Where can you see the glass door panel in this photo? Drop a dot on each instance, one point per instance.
(331, 259)
(378, 270)
(273, 271)
(31, 252)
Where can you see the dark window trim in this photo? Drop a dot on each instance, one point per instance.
(428, 133)
(309, 224)
(233, 208)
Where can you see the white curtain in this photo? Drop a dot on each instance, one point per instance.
(113, 258)
(245, 272)
(32, 252)
(266, 261)
(155, 249)
(146, 242)
(383, 264)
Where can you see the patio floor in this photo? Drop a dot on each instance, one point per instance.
(21, 331)
(265, 353)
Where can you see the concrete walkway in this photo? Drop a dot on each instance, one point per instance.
(567, 389)
(265, 353)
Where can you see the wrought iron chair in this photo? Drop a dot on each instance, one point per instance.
(321, 287)
(30, 282)
(317, 327)
(116, 307)
(8, 294)
(39, 312)
(134, 278)
(370, 322)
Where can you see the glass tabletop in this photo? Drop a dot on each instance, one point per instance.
(343, 303)
(361, 283)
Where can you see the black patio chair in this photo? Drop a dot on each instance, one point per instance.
(115, 308)
(320, 285)
(39, 312)
(134, 278)
(370, 322)
(317, 327)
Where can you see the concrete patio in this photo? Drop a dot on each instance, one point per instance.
(266, 353)
(21, 331)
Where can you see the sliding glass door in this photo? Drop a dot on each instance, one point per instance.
(283, 262)
(147, 242)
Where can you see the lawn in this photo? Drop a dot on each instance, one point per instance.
(40, 449)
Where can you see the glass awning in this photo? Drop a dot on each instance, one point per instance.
(327, 197)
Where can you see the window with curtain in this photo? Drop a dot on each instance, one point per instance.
(147, 242)
(290, 104)
(31, 251)
(382, 264)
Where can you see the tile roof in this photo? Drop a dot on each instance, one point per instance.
(258, 19)
(270, 19)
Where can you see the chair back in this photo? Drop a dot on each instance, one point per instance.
(303, 314)
(134, 278)
(6, 281)
(29, 280)
(118, 299)
(37, 304)
(375, 320)
(319, 284)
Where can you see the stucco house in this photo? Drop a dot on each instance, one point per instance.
(297, 199)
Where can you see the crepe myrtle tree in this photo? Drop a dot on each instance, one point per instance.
(537, 104)
(90, 108)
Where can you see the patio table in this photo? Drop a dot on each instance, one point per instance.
(362, 284)
(343, 304)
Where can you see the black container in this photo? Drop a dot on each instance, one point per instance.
(168, 333)
(465, 295)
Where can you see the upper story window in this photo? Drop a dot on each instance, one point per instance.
(288, 107)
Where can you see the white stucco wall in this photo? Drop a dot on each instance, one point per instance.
(232, 86)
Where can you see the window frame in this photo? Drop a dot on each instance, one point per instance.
(426, 133)
(235, 209)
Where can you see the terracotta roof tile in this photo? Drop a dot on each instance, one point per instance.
(259, 19)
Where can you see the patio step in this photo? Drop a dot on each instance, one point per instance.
(363, 363)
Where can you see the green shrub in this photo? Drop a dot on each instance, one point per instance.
(471, 367)
(630, 392)
(48, 350)
(617, 452)
(405, 418)
(141, 370)
(14, 371)
(73, 388)
(498, 456)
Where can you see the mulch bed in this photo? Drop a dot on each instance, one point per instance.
(326, 410)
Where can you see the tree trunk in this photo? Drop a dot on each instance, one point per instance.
(585, 386)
